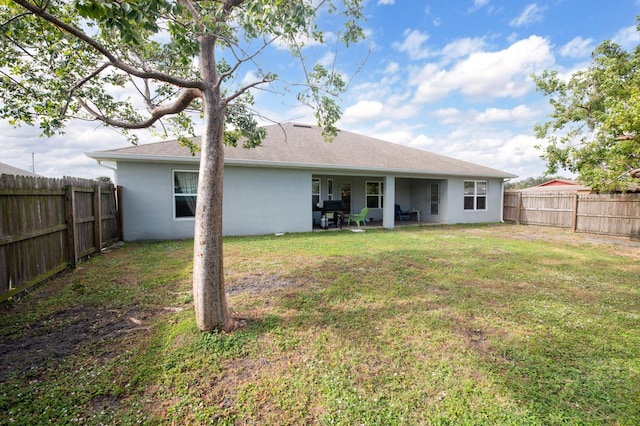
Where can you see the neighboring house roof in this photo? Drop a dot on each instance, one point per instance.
(558, 188)
(303, 146)
(6, 169)
(558, 185)
(558, 182)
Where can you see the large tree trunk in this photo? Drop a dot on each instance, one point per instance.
(212, 312)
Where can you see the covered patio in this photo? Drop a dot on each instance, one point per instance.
(391, 201)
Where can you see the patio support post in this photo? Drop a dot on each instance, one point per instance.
(388, 211)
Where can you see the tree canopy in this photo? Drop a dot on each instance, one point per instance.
(594, 129)
(78, 63)
(62, 60)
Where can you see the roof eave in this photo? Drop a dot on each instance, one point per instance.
(112, 156)
(362, 169)
(102, 156)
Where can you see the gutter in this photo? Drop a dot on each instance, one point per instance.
(347, 169)
(107, 166)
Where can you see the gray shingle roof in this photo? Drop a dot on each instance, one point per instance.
(6, 169)
(303, 146)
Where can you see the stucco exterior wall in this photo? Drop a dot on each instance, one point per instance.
(147, 198)
(262, 200)
(266, 200)
(455, 212)
(256, 201)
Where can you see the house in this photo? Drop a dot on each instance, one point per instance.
(562, 185)
(6, 169)
(280, 185)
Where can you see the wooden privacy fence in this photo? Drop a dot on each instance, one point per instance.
(47, 225)
(611, 214)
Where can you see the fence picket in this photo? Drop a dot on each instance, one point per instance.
(611, 214)
(48, 224)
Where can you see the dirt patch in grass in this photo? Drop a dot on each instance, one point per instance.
(63, 334)
(258, 284)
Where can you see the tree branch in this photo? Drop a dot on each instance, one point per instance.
(194, 12)
(41, 13)
(243, 89)
(89, 77)
(229, 5)
(182, 103)
(245, 58)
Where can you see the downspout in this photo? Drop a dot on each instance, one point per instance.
(106, 166)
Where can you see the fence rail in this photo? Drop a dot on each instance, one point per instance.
(47, 225)
(611, 214)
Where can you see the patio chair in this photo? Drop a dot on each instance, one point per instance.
(400, 214)
(360, 217)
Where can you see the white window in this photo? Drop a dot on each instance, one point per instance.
(185, 189)
(475, 195)
(375, 195)
(315, 192)
(329, 189)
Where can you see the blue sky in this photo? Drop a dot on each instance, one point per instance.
(450, 77)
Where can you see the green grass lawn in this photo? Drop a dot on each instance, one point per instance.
(492, 324)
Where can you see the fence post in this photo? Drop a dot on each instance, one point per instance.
(97, 218)
(519, 204)
(70, 216)
(119, 212)
(574, 221)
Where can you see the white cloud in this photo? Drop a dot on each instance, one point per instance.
(392, 68)
(385, 2)
(363, 110)
(393, 108)
(499, 147)
(449, 115)
(532, 13)
(433, 83)
(472, 120)
(513, 153)
(478, 4)
(62, 155)
(304, 40)
(397, 135)
(627, 37)
(519, 113)
(249, 78)
(577, 48)
(328, 59)
(504, 73)
(413, 44)
(462, 47)
(424, 142)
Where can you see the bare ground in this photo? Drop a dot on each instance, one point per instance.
(62, 334)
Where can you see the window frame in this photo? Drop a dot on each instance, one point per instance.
(315, 203)
(478, 198)
(379, 196)
(330, 189)
(175, 195)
